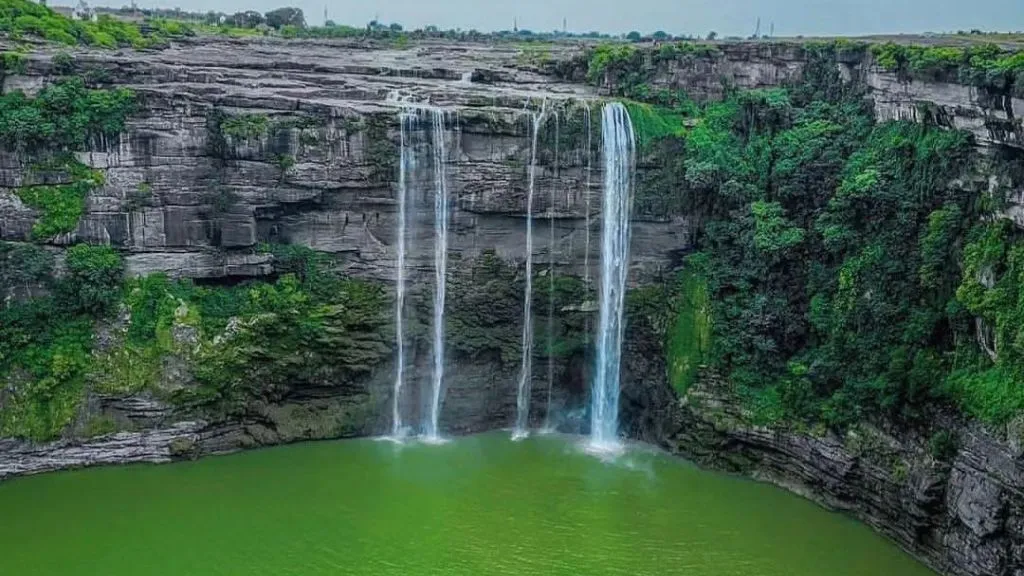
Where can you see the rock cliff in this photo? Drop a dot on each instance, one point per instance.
(960, 512)
(238, 143)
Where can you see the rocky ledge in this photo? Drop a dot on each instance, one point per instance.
(960, 512)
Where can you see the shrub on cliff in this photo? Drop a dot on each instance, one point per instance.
(45, 343)
(92, 282)
(63, 116)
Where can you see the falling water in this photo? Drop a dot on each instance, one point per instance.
(440, 266)
(619, 159)
(586, 198)
(525, 371)
(407, 122)
(551, 276)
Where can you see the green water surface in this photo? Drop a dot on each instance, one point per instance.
(475, 506)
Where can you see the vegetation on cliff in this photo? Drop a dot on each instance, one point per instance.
(45, 342)
(254, 340)
(624, 69)
(984, 65)
(62, 118)
(841, 263)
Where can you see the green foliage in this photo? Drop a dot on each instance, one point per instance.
(289, 333)
(11, 63)
(92, 282)
(61, 205)
(772, 231)
(99, 426)
(613, 60)
(245, 126)
(689, 341)
(253, 340)
(63, 63)
(285, 16)
(23, 265)
(381, 151)
(152, 302)
(45, 375)
(829, 252)
(653, 123)
(285, 162)
(488, 318)
(20, 18)
(943, 446)
(987, 384)
(675, 51)
(626, 69)
(166, 28)
(63, 116)
(45, 342)
(984, 65)
(992, 394)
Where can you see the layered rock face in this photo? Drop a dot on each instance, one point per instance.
(237, 144)
(961, 513)
(993, 119)
(187, 197)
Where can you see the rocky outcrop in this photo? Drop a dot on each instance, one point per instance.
(154, 446)
(990, 118)
(961, 513)
(478, 396)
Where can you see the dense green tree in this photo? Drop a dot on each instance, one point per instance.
(92, 282)
(247, 19)
(287, 16)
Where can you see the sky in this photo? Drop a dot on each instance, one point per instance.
(693, 17)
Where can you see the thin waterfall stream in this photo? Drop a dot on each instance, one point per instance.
(526, 368)
(551, 277)
(619, 146)
(407, 123)
(441, 217)
(586, 236)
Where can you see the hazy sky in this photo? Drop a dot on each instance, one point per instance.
(728, 17)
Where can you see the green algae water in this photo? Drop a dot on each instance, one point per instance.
(476, 505)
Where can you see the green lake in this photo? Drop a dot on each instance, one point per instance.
(474, 506)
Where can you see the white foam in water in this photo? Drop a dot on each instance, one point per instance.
(433, 440)
(619, 160)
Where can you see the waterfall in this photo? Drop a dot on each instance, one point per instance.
(619, 159)
(406, 168)
(551, 275)
(526, 369)
(586, 199)
(441, 209)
